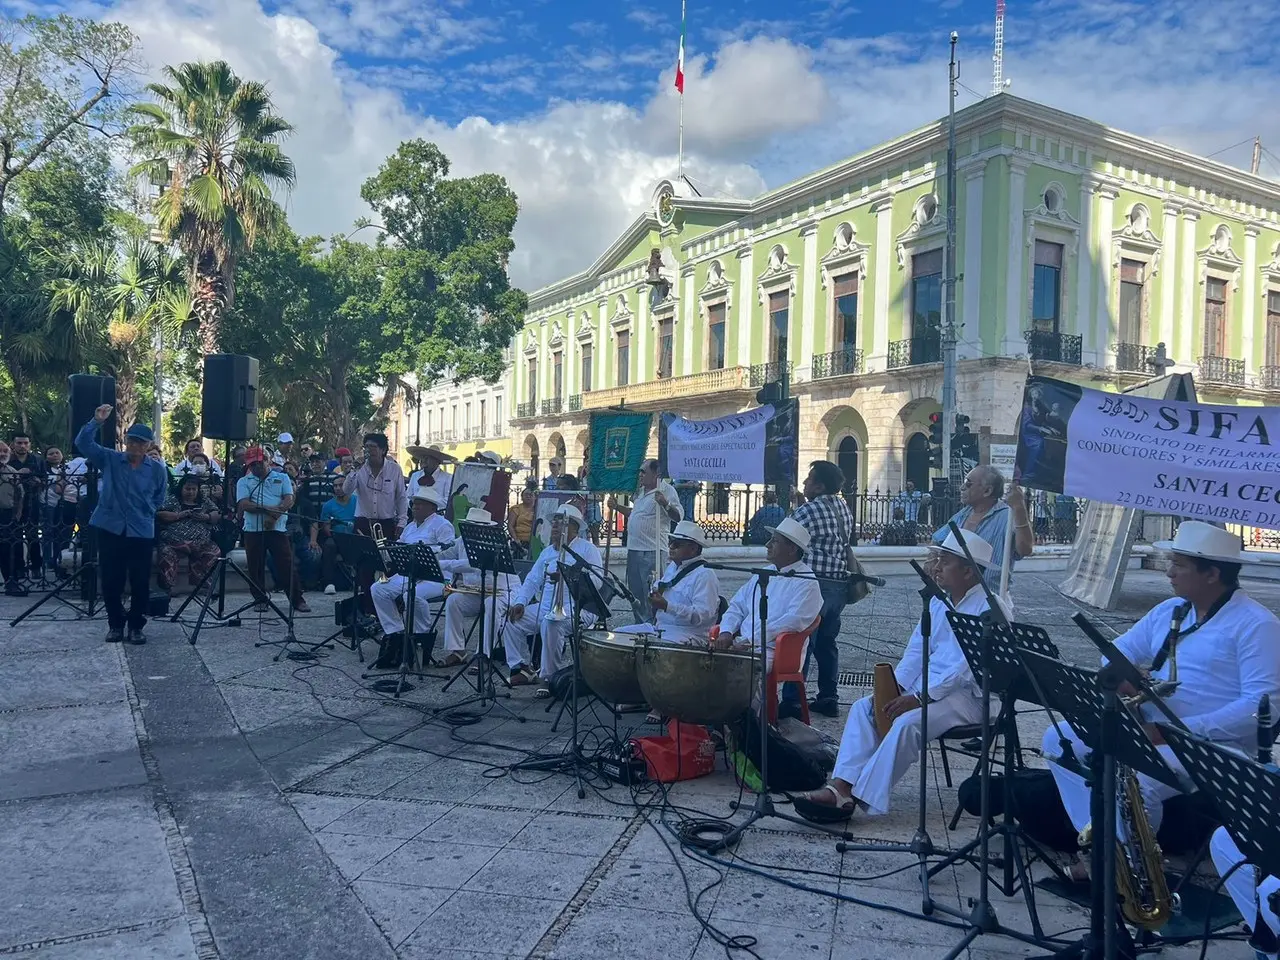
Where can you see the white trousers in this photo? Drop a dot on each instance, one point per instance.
(384, 603)
(1075, 791)
(1241, 883)
(872, 766)
(515, 637)
(461, 609)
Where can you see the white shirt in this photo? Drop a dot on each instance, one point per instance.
(649, 526)
(794, 603)
(435, 530)
(1223, 668)
(548, 562)
(948, 669)
(185, 466)
(692, 605)
(443, 482)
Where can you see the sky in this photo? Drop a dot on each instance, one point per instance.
(574, 102)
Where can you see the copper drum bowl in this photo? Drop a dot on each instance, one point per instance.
(609, 665)
(696, 684)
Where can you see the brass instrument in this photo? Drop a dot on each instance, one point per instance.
(1165, 688)
(557, 614)
(380, 541)
(884, 690)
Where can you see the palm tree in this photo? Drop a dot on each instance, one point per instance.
(213, 143)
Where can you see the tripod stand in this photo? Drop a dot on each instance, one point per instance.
(87, 574)
(356, 551)
(414, 562)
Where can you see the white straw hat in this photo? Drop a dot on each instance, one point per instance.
(688, 530)
(979, 548)
(1195, 538)
(792, 530)
(479, 515)
(431, 495)
(570, 512)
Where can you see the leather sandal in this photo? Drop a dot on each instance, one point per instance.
(816, 812)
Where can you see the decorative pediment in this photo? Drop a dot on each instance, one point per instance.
(717, 284)
(1220, 257)
(1271, 272)
(621, 318)
(926, 225)
(1051, 212)
(845, 256)
(557, 334)
(531, 347)
(1137, 235)
(586, 329)
(779, 272)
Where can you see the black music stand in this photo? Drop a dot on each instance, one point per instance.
(86, 574)
(355, 550)
(489, 551)
(417, 563)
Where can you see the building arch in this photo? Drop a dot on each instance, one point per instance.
(911, 428)
(531, 455)
(916, 461)
(556, 444)
(847, 444)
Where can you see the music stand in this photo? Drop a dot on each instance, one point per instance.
(489, 551)
(355, 550)
(87, 573)
(417, 563)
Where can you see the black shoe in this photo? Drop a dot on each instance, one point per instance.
(826, 706)
(136, 637)
(390, 651)
(115, 635)
(789, 708)
(14, 589)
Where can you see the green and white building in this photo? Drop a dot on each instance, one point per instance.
(1080, 248)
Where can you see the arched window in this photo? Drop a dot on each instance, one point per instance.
(847, 461)
(917, 465)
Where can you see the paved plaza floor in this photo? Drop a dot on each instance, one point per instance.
(171, 801)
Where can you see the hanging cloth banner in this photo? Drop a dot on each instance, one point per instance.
(1188, 459)
(618, 445)
(755, 446)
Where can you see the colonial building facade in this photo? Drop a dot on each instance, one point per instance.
(460, 419)
(1080, 248)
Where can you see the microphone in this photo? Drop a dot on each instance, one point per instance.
(863, 578)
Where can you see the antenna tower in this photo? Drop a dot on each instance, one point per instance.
(997, 56)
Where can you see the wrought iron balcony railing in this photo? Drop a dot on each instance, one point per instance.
(1269, 378)
(575, 402)
(1133, 357)
(526, 410)
(762, 373)
(655, 392)
(915, 351)
(1053, 347)
(840, 363)
(552, 406)
(1222, 370)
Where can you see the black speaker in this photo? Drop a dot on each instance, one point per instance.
(229, 399)
(88, 392)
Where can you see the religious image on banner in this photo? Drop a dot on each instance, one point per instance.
(549, 501)
(619, 442)
(1042, 433)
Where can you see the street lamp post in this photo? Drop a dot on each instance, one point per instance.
(949, 320)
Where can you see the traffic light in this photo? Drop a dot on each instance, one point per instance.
(771, 392)
(935, 440)
(962, 439)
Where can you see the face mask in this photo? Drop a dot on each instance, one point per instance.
(199, 468)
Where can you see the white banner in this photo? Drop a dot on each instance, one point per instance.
(1209, 462)
(726, 450)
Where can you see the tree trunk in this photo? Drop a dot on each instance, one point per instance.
(209, 303)
(126, 397)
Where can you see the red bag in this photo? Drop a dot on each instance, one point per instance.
(685, 753)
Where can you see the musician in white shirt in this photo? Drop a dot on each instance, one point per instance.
(867, 767)
(1252, 899)
(429, 462)
(686, 601)
(795, 599)
(649, 520)
(463, 606)
(541, 584)
(1227, 650)
(427, 526)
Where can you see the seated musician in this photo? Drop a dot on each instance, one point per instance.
(541, 584)
(867, 767)
(686, 601)
(1252, 899)
(427, 526)
(794, 601)
(462, 606)
(1226, 649)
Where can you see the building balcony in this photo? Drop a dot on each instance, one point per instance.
(1222, 370)
(838, 364)
(915, 351)
(657, 392)
(1268, 378)
(1133, 357)
(575, 403)
(762, 373)
(1053, 347)
(527, 410)
(476, 433)
(449, 436)
(552, 407)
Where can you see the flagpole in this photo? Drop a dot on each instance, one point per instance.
(680, 87)
(680, 154)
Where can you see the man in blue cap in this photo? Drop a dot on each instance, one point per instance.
(133, 488)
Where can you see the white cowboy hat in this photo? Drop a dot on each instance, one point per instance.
(688, 530)
(431, 495)
(479, 515)
(979, 548)
(792, 530)
(1195, 538)
(491, 457)
(570, 512)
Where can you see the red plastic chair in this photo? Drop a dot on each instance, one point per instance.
(787, 667)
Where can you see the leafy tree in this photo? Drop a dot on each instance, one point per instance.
(59, 81)
(213, 140)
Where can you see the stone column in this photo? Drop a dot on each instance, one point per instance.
(1015, 287)
(1169, 279)
(809, 290)
(1091, 352)
(599, 358)
(879, 359)
(641, 339)
(1249, 294)
(1105, 327)
(1185, 348)
(690, 318)
(746, 296)
(969, 336)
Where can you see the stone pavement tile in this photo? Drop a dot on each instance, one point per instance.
(354, 854)
(605, 930)
(301, 764)
(477, 825)
(47, 636)
(857, 924)
(388, 818)
(483, 924)
(602, 799)
(656, 885)
(528, 790)
(170, 940)
(564, 832)
(89, 675)
(72, 868)
(318, 811)
(426, 864)
(398, 909)
(254, 708)
(370, 774)
(278, 737)
(783, 943)
(444, 780)
(750, 898)
(546, 876)
(433, 739)
(70, 750)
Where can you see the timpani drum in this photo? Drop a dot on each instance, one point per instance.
(695, 683)
(608, 664)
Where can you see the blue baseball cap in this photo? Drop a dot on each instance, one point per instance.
(140, 431)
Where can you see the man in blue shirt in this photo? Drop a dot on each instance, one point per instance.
(133, 488)
(264, 498)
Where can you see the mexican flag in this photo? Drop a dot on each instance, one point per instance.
(680, 58)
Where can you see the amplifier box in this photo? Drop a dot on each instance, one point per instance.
(626, 770)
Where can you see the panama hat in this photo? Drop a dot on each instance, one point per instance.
(1195, 538)
(979, 548)
(431, 495)
(478, 515)
(570, 512)
(688, 530)
(422, 453)
(792, 530)
(490, 457)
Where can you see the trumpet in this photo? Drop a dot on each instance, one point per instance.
(380, 541)
(557, 614)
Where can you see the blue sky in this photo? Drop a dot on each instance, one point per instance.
(573, 102)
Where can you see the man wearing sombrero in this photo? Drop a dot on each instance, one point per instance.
(1227, 650)
(429, 463)
(867, 767)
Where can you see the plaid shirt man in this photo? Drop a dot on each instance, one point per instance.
(829, 522)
